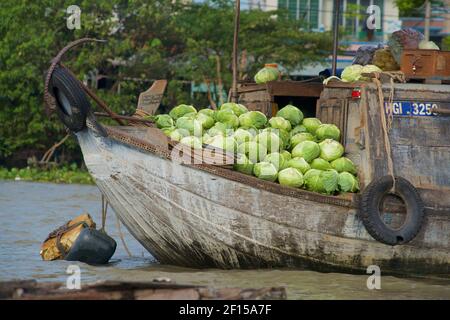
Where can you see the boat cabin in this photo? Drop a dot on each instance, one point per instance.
(419, 130)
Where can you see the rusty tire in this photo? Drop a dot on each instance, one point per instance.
(369, 210)
(72, 104)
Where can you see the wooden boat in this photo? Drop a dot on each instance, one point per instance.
(208, 216)
(205, 215)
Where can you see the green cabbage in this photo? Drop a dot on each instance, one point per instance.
(164, 121)
(277, 160)
(297, 129)
(265, 171)
(320, 164)
(369, 69)
(253, 119)
(344, 164)
(347, 182)
(330, 180)
(287, 155)
(280, 123)
(226, 143)
(242, 135)
(290, 177)
(311, 124)
(209, 112)
(266, 74)
(206, 138)
(428, 45)
(178, 134)
(282, 134)
(243, 164)
(322, 181)
(331, 150)
(309, 150)
(167, 131)
(206, 121)
(228, 118)
(181, 110)
(300, 137)
(300, 164)
(237, 108)
(292, 114)
(253, 150)
(313, 181)
(328, 131)
(192, 141)
(193, 126)
(352, 73)
(270, 140)
(218, 128)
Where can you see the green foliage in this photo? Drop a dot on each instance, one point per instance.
(65, 174)
(409, 7)
(147, 40)
(446, 43)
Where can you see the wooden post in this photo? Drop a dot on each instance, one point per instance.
(427, 20)
(234, 93)
(337, 8)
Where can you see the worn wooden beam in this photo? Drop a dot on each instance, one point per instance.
(128, 118)
(295, 89)
(285, 88)
(118, 290)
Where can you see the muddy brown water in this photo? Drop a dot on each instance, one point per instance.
(29, 211)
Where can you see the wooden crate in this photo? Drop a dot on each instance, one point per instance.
(261, 97)
(426, 64)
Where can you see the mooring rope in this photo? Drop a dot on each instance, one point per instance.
(386, 124)
(104, 211)
(48, 154)
(119, 229)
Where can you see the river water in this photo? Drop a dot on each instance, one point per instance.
(29, 211)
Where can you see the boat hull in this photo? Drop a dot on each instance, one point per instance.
(187, 216)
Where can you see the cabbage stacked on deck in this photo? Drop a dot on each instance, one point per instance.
(295, 151)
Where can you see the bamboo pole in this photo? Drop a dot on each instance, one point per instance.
(427, 20)
(234, 92)
(337, 8)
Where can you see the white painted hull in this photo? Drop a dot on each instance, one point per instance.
(186, 216)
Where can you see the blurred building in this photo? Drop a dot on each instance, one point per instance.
(318, 16)
(439, 22)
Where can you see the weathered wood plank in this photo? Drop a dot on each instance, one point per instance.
(421, 131)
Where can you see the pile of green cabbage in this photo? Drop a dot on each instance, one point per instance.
(355, 72)
(289, 149)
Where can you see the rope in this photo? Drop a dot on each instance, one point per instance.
(48, 154)
(49, 100)
(121, 236)
(104, 211)
(386, 124)
(61, 231)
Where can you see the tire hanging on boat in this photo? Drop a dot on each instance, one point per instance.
(369, 210)
(72, 104)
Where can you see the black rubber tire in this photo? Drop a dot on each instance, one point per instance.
(369, 211)
(72, 103)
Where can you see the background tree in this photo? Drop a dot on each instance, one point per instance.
(413, 8)
(147, 40)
